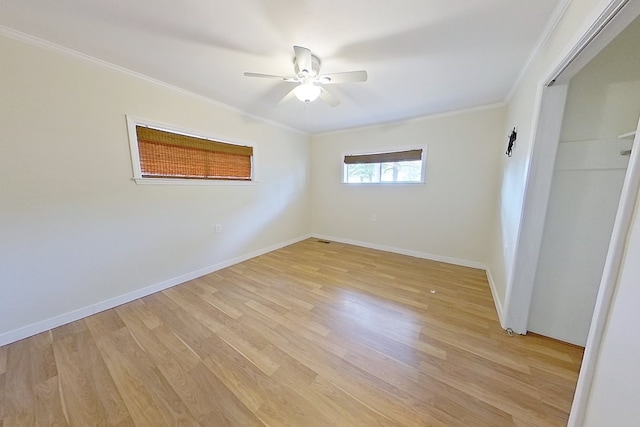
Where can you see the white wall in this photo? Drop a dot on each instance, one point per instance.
(77, 233)
(602, 103)
(449, 217)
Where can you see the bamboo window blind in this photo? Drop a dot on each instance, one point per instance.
(165, 154)
(395, 156)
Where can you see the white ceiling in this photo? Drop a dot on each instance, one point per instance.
(423, 56)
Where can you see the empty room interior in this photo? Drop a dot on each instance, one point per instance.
(418, 213)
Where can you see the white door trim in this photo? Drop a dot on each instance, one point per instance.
(538, 187)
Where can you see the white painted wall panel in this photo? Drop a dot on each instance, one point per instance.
(76, 231)
(450, 215)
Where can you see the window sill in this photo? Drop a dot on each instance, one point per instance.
(383, 184)
(177, 181)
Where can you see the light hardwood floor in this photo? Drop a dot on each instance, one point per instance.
(314, 334)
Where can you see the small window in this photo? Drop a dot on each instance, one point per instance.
(405, 166)
(161, 154)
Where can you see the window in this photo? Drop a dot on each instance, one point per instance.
(405, 166)
(163, 155)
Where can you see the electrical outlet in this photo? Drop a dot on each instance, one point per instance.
(218, 228)
(374, 217)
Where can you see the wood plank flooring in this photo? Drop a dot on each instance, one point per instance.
(314, 334)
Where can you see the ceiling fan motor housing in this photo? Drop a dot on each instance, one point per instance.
(313, 72)
(307, 74)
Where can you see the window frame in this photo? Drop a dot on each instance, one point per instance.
(422, 181)
(132, 122)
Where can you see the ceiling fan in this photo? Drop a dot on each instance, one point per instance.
(307, 74)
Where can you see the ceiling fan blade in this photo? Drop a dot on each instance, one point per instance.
(271, 76)
(303, 59)
(346, 77)
(288, 96)
(326, 96)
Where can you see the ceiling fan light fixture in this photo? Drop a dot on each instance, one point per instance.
(306, 67)
(307, 92)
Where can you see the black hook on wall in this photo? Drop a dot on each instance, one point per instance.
(512, 141)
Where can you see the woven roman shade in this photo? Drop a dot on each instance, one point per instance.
(395, 156)
(165, 154)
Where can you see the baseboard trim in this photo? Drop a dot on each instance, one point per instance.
(402, 251)
(72, 316)
(429, 256)
(496, 300)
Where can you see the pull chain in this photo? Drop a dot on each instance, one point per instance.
(306, 116)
